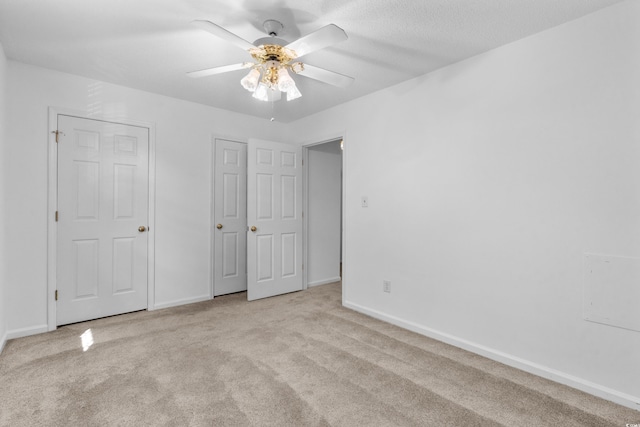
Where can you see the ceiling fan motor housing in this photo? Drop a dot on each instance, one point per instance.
(272, 52)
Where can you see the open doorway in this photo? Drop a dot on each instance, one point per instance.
(323, 213)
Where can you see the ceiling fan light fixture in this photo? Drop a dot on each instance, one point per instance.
(250, 81)
(269, 80)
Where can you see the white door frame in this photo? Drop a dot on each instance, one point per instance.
(305, 206)
(52, 206)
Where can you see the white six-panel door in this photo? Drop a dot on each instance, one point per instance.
(230, 217)
(102, 205)
(274, 217)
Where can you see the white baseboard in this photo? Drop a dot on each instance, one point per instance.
(3, 341)
(581, 384)
(324, 281)
(175, 303)
(25, 332)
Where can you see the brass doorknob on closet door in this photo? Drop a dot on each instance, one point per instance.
(253, 228)
(142, 229)
(219, 226)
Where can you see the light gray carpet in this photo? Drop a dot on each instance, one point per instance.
(295, 360)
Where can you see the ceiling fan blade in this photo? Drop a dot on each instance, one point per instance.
(325, 36)
(219, 70)
(218, 31)
(326, 76)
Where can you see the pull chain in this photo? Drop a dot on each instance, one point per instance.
(273, 118)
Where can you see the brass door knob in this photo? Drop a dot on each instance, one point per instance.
(219, 226)
(253, 228)
(142, 229)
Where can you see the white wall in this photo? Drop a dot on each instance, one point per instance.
(183, 178)
(487, 182)
(3, 250)
(324, 164)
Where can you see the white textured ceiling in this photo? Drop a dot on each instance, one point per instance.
(151, 44)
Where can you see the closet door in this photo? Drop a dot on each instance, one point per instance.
(274, 218)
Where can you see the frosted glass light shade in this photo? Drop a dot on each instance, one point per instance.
(293, 93)
(261, 92)
(285, 82)
(250, 81)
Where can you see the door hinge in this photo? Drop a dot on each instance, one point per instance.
(58, 133)
(56, 295)
(56, 216)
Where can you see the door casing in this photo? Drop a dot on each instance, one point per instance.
(305, 200)
(306, 209)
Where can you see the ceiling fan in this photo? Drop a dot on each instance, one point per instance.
(269, 76)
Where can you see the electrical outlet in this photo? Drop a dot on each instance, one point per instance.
(386, 286)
